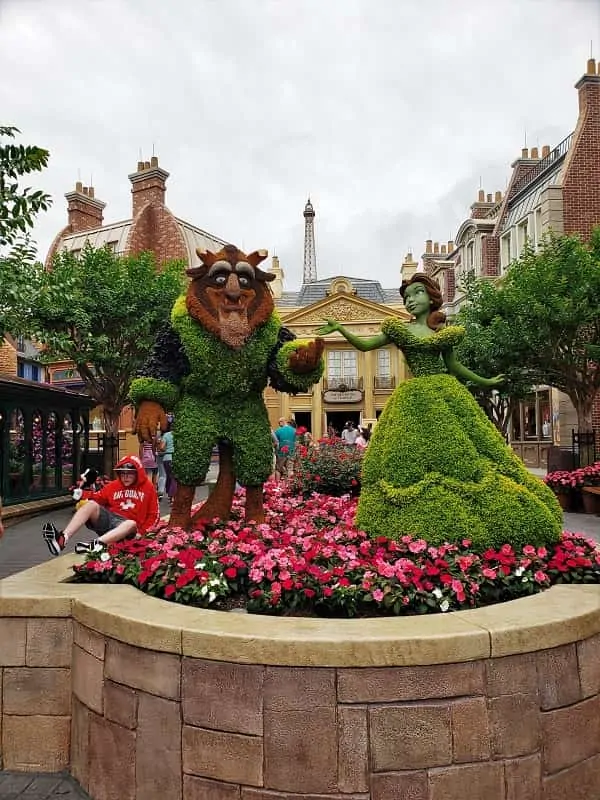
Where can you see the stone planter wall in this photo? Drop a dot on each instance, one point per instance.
(142, 699)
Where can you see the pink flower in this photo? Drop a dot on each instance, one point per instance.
(540, 576)
(417, 546)
(377, 595)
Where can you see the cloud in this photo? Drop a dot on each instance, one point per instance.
(389, 115)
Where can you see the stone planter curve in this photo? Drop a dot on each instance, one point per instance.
(143, 699)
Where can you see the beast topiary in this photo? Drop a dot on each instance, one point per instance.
(210, 365)
(436, 467)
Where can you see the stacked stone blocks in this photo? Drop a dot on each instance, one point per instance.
(135, 723)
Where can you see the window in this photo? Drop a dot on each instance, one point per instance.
(342, 364)
(384, 364)
(505, 252)
(538, 228)
(30, 372)
(470, 257)
(20, 344)
(112, 246)
(522, 236)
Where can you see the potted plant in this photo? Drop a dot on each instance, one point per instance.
(564, 483)
(590, 480)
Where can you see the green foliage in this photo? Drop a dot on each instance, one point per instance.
(162, 392)
(435, 468)
(333, 468)
(540, 324)
(201, 421)
(101, 312)
(217, 369)
(18, 206)
(301, 383)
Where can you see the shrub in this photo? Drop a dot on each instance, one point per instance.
(436, 468)
(332, 468)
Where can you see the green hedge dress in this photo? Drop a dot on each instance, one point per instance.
(437, 468)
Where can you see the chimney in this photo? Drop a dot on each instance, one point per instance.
(443, 249)
(545, 150)
(148, 185)
(497, 197)
(524, 152)
(276, 286)
(428, 246)
(450, 246)
(84, 212)
(588, 87)
(482, 205)
(408, 267)
(436, 248)
(534, 152)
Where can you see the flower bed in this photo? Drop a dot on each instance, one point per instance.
(309, 559)
(564, 481)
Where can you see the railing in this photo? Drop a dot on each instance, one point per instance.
(559, 152)
(342, 384)
(384, 382)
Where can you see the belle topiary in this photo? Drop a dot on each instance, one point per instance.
(436, 467)
(210, 366)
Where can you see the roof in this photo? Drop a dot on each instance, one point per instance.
(365, 288)
(11, 386)
(526, 202)
(117, 235)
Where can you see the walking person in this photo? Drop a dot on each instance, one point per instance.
(123, 508)
(286, 444)
(149, 461)
(167, 457)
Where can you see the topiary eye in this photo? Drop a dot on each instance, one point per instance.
(244, 281)
(221, 279)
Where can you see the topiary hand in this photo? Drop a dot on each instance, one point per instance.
(307, 357)
(331, 327)
(498, 380)
(148, 417)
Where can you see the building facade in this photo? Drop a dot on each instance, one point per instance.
(555, 189)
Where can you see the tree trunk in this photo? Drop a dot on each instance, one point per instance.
(585, 429)
(111, 440)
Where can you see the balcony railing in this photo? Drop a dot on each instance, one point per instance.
(384, 382)
(342, 384)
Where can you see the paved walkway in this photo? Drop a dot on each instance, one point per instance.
(31, 786)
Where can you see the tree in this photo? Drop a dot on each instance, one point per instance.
(486, 353)
(539, 322)
(101, 312)
(18, 208)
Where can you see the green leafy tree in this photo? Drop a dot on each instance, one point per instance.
(18, 208)
(541, 323)
(101, 312)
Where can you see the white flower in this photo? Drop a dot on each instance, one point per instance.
(519, 571)
(525, 579)
(211, 597)
(215, 582)
(204, 590)
(199, 565)
(104, 556)
(437, 593)
(444, 605)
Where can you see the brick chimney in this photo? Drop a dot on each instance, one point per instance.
(148, 185)
(482, 205)
(581, 168)
(84, 211)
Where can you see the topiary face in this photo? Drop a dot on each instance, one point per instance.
(228, 294)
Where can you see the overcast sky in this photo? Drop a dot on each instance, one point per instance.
(388, 113)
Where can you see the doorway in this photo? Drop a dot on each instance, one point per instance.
(303, 420)
(339, 418)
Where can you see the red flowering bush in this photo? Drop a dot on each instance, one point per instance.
(561, 481)
(332, 468)
(309, 559)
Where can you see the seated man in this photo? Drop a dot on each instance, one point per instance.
(124, 507)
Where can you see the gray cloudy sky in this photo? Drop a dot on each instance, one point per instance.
(388, 113)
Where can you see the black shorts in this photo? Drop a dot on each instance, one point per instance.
(106, 521)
